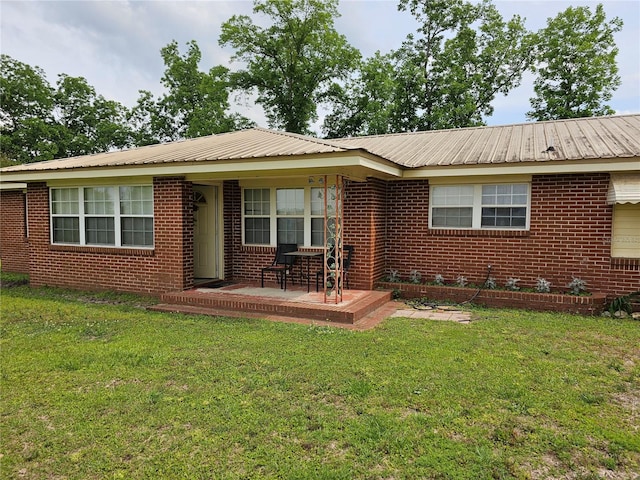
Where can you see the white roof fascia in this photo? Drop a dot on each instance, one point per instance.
(531, 168)
(12, 186)
(227, 169)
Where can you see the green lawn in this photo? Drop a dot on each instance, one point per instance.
(96, 387)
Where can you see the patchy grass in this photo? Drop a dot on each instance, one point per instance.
(94, 390)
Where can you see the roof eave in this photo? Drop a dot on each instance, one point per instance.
(617, 164)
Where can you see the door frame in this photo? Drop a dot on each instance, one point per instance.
(213, 194)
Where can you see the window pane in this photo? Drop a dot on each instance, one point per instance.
(504, 217)
(99, 231)
(99, 200)
(455, 195)
(66, 230)
(64, 201)
(136, 200)
(317, 231)
(256, 201)
(452, 217)
(504, 194)
(290, 201)
(291, 230)
(257, 231)
(137, 231)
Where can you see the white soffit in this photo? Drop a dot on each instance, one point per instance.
(624, 188)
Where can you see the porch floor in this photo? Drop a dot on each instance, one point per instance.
(359, 309)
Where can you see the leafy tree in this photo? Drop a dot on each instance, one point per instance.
(195, 104)
(466, 54)
(38, 122)
(26, 112)
(292, 62)
(577, 70)
(86, 122)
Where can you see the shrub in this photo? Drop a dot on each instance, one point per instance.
(577, 286)
(461, 281)
(490, 283)
(438, 279)
(543, 286)
(512, 284)
(394, 276)
(415, 276)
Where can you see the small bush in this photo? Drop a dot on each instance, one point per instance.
(438, 279)
(491, 284)
(577, 286)
(415, 276)
(512, 284)
(543, 286)
(461, 281)
(394, 276)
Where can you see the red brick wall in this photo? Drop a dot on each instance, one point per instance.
(364, 228)
(169, 266)
(570, 235)
(14, 247)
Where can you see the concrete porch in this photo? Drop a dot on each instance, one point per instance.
(246, 300)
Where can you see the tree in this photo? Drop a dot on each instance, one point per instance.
(466, 54)
(86, 122)
(39, 122)
(292, 63)
(26, 112)
(577, 70)
(195, 104)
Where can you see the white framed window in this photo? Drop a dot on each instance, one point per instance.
(488, 206)
(116, 216)
(285, 215)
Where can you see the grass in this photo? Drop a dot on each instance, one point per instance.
(92, 390)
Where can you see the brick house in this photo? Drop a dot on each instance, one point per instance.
(549, 199)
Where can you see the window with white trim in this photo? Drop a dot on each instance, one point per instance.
(116, 216)
(285, 215)
(499, 206)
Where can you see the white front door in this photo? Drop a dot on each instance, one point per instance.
(205, 231)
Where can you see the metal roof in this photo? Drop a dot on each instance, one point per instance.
(574, 139)
(560, 140)
(244, 144)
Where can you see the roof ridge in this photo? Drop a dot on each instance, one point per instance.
(308, 138)
(483, 127)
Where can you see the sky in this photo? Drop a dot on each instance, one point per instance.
(116, 45)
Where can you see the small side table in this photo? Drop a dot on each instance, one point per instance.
(308, 255)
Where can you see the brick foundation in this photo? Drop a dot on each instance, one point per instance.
(585, 305)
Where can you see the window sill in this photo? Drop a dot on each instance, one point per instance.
(450, 232)
(135, 252)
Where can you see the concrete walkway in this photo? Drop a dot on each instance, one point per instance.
(445, 312)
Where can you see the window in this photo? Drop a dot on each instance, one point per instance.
(285, 215)
(256, 216)
(501, 206)
(104, 216)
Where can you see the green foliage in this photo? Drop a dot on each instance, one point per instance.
(292, 62)
(445, 76)
(196, 102)
(39, 122)
(111, 391)
(26, 112)
(576, 65)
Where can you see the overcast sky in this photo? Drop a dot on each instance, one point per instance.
(116, 45)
